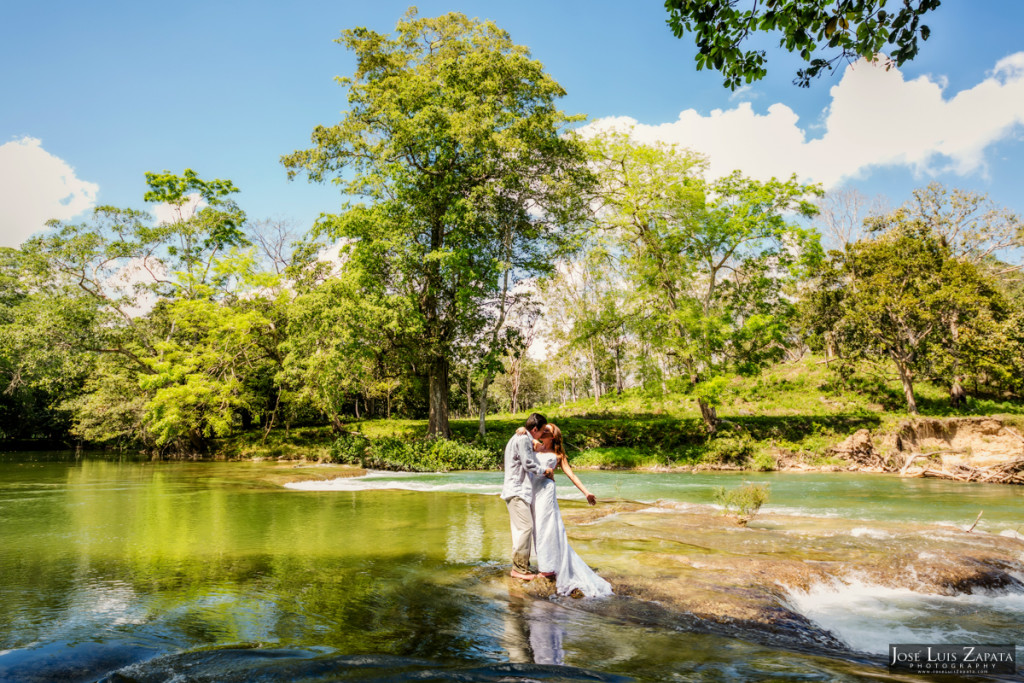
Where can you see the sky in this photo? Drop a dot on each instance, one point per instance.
(93, 95)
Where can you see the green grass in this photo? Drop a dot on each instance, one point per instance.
(799, 407)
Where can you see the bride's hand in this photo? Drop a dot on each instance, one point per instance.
(592, 499)
(521, 431)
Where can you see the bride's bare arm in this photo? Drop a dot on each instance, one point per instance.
(567, 468)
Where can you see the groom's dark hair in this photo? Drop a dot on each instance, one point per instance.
(535, 421)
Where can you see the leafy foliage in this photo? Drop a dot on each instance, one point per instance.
(743, 501)
(429, 455)
(904, 297)
(710, 261)
(453, 138)
(852, 28)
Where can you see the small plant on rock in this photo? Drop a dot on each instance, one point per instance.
(744, 501)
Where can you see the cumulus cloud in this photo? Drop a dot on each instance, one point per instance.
(36, 186)
(876, 118)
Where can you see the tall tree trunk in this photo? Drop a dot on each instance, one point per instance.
(908, 386)
(663, 371)
(595, 377)
(357, 406)
(709, 415)
(514, 379)
(469, 393)
(618, 370)
(272, 418)
(438, 387)
(482, 427)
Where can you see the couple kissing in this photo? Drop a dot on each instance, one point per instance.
(531, 457)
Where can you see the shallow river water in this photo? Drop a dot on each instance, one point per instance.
(138, 571)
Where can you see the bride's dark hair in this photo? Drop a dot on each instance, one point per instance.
(556, 438)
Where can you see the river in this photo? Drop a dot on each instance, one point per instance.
(124, 570)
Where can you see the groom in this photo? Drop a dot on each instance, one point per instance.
(521, 465)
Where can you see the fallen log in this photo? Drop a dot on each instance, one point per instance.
(914, 456)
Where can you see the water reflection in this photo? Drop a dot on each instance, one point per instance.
(465, 541)
(533, 632)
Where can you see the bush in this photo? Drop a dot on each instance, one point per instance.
(730, 447)
(425, 455)
(349, 449)
(762, 462)
(744, 501)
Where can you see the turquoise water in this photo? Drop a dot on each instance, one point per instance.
(116, 570)
(845, 495)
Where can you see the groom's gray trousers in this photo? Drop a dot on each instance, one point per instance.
(521, 518)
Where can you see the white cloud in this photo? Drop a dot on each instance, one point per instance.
(744, 93)
(173, 213)
(130, 282)
(876, 118)
(36, 186)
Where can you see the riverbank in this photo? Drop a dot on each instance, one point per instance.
(794, 416)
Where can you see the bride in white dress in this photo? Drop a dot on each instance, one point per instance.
(554, 554)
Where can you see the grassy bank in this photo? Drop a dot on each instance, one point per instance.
(793, 409)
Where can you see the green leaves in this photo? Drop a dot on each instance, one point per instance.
(857, 28)
(906, 298)
(713, 264)
(453, 140)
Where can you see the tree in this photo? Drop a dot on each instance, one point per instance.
(585, 310)
(340, 344)
(41, 365)
(715, 262)
(453, 138)
(904, 298)
(853, 28)
(173, 313)
(974, 228)
(843, 214)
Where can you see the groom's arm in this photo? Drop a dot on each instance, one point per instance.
(524, 447)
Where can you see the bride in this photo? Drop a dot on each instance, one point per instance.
(554, 555)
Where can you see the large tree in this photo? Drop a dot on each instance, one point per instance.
(715, 262)
(904, 300)
(810, 28)
(453, 140)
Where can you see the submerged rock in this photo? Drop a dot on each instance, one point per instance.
(695, 569)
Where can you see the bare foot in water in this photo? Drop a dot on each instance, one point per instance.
(519, 575)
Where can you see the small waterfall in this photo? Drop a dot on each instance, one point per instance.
(869, 617)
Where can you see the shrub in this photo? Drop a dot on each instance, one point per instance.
(730, 447)
(349, 449)
(762, 462)
(426, 455)
(744, 501)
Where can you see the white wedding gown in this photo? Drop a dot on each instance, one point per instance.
(554, 553)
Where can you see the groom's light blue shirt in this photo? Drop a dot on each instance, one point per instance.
(521, 465)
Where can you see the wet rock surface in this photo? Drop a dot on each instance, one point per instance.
(692, 568)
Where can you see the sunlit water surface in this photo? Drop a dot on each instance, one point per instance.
(143, 571)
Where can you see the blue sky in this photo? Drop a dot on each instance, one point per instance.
(96, 94)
